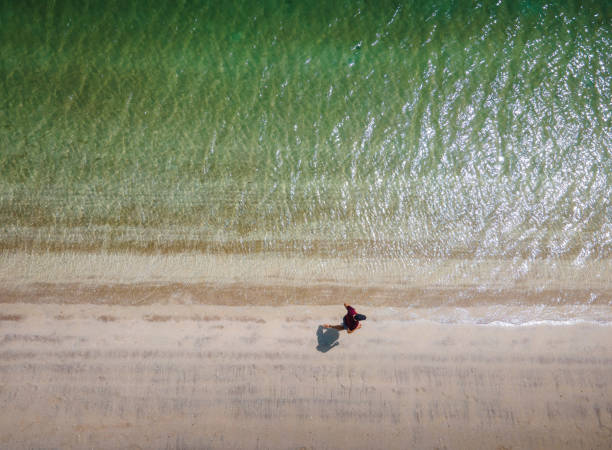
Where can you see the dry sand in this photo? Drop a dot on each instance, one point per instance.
(204, 376)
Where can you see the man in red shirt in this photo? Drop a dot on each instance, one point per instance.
(350, 322)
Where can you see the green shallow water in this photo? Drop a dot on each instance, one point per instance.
(389, 129)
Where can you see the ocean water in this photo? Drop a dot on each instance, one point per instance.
(381, 130)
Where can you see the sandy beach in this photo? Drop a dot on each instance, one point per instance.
(198, 351)
(206, 376)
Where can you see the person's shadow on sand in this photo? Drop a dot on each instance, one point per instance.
(328, 338)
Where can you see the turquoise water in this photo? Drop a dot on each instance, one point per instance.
(386, 129)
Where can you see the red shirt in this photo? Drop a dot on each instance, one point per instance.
(349, 319)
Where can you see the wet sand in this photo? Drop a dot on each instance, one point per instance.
(267, 279)
(205, 376)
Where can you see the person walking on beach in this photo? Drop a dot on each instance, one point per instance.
(350, 322)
